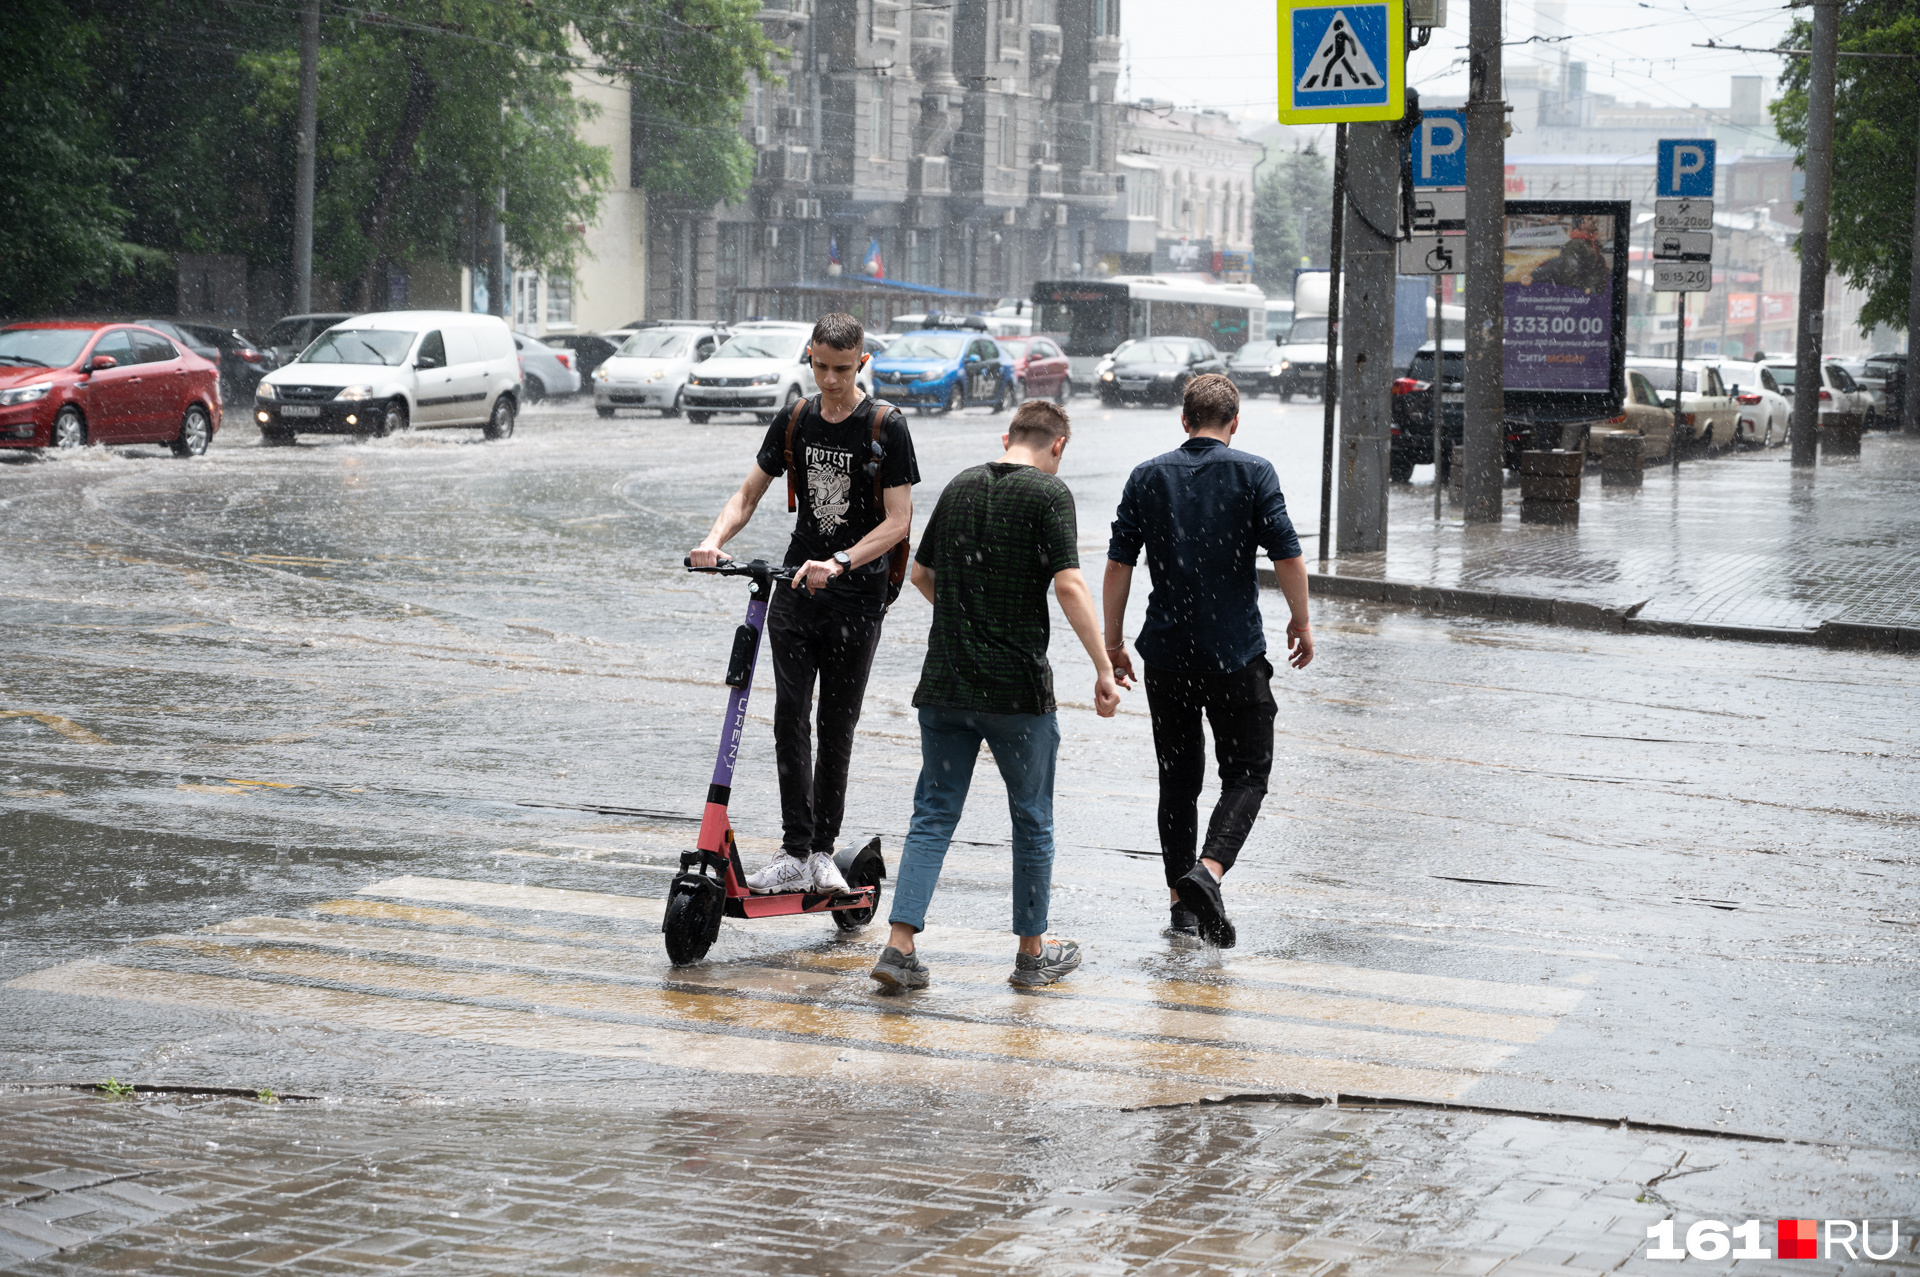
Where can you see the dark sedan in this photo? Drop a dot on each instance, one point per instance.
(241, 360)
(1412, 440)
(1157, 370)
(1257, 368)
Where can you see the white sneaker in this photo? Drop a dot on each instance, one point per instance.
(783, 873)
(826, 875)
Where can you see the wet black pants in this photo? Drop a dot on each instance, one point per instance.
(1239, 707)
(811, 643)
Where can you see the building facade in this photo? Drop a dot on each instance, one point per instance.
(965, 147)
(1190, 175)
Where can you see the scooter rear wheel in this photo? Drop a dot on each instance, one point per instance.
(691, 923)
(868, 874)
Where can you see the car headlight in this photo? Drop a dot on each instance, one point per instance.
(1277, 369)
(766, 379)
(355, 392)
(932, 376)
(26, 394)
(656, 374)
(1163, 376)
(265, 390)
(600, 373)
(1106, 376)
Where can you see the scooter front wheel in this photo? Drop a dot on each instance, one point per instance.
(691, 924)
(867, 874)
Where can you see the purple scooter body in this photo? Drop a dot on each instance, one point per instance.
(712, 882)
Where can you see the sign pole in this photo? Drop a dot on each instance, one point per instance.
(1483, 435)
(1813, 233)
(1679, 382)
(1330, 375)
(1439, 380)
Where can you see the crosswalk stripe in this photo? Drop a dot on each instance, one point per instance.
(676, 1048)
(1244, 1067)
(968, 997)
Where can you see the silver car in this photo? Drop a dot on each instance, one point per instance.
(650, 369)
(544, 370)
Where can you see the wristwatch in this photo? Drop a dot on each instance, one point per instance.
(845, 561)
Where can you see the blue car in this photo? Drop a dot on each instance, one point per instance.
(944, 370)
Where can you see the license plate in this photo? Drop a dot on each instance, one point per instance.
(893, 392)
(299, 410)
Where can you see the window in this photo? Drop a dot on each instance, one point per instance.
(1143, 193)
(1009, 134)
(116, 346)
(1104, 22)
(560, 299)
(150, 348)
(880, 144)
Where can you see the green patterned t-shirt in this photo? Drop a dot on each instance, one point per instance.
(997, 536)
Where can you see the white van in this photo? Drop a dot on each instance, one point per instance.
(376, 374)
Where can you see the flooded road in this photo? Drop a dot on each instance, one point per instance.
(360, 769)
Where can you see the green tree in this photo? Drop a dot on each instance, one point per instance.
(60, 226)
(1292, 211)
(1876, 129)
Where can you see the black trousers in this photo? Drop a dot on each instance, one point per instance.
(811, 643)
(1239, 707)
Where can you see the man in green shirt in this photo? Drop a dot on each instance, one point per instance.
(1001, 534)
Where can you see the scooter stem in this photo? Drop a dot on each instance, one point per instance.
(713, 821)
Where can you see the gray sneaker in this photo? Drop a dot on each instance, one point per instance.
(897, 970)
(1055, 961)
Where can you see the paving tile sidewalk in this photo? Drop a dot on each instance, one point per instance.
(1739, 540)
(859, 1183)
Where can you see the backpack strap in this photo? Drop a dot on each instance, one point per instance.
(793, 421)
(880, 421)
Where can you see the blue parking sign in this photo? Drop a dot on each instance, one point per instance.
(1686, 169)
(1440, 149)
(1342, 61)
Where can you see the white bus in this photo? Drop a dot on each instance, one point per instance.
(1090, 317)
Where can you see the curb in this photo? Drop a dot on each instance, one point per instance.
(1572, 614)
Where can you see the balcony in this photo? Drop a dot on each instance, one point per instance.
(1044, 180)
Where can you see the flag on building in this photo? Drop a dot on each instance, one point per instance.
(875, 267)
(833, 255)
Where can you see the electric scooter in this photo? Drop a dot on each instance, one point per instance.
(712, 882)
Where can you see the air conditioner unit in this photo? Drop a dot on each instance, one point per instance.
(759, 135)
(1059, 214)
(773, 236)
(785, 117)
(1010, 217)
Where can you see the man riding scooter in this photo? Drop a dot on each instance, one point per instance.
(850, 469)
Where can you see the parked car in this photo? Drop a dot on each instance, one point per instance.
(381, 373)
(1157, 368)
(944, 370)
(241, 360)
(650, 369)
(1258, 368)
(1840, 404)
(1646, 413)
(544, 370)
(1411, 442)
(1040, 368)
(1761, 414)
(1891, 368)
(589, 351)
(1871, 387)
(294, 333)
(68, 384)
(1305, 350)
(1707, 411)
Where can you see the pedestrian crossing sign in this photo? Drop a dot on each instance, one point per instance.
(1341, 61)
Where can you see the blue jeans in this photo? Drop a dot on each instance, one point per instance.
(1025, 748)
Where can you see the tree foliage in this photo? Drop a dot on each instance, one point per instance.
(428, 109)
(1876, 131)
(1292, 215)
(60, 225)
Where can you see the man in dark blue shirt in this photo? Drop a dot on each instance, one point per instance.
(1202, 513)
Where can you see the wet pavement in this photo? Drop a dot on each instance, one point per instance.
(358, 770)
(1738, 539)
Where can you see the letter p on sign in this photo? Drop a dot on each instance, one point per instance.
(1440, 149)
(1686, 169)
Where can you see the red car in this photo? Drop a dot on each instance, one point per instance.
(1040, 368)
(68, 384)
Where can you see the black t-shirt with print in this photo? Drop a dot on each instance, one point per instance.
(836, 502)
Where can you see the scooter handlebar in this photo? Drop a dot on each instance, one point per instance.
(733, 567)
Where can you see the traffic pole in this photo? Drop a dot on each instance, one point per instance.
(1679, 383)
(1910, 400)
(303, 151)
(1813, 232)
(1330, 375)
(1369, 253)
(1439, 381)
(1483, 438)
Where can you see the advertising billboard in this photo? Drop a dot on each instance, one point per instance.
(1565, 276)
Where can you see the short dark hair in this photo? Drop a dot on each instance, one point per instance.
(1211, 400)
(1037, 423)
(838, 330)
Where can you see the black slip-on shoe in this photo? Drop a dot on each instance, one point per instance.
(1201, 894)
(1181, 924)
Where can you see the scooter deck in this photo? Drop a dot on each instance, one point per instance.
(781, 903)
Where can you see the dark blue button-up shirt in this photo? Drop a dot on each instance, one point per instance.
(1201, 513)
